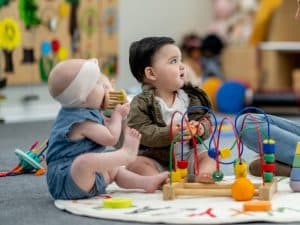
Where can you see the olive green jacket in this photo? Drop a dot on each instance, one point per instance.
(146, 117)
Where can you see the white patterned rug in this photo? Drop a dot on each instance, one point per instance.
(150, 208)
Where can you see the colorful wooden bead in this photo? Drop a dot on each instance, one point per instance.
(212, 153)
(240, 169)
(269, 146)
(268, 176)
(175, 176)
(269, 158)
(182, 164)
(183, 172)
(225, 153)
(269, 167)
(218, 175)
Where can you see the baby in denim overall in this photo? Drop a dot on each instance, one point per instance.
(78, 165)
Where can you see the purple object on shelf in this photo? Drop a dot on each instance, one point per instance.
(295, 185)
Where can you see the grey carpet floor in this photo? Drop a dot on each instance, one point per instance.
(24, 199)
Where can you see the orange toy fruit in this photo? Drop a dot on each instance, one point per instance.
(242, 189)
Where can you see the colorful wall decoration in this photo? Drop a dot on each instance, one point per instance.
(36, 34)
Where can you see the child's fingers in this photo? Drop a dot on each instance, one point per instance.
(185, 138)
(126, 104)
(200, 129)
(194, 123)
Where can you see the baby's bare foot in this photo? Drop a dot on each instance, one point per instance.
(205, 178)
(206, 168)
(131, 143)
(153, 183)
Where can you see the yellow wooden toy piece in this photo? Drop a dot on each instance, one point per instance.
(176, 175)
(269, 141)
(257, 206)
(225, 153)
(183, 172)
(242, 189)
(226, 127)
(240, 169)
(297, 149)
(117, 203)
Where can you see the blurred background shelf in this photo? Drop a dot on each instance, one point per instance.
(15, 108)
(284, 46)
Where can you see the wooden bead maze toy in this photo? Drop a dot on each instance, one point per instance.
(241, 189)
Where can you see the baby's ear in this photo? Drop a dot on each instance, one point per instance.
(149, 73)
(106, 82)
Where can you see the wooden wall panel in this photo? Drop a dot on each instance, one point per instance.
(97, 44)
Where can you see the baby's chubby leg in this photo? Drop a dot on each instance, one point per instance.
(127, 179)
(85, 166)
(144, 166)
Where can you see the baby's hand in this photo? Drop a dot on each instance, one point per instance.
(123, 110)
(176, 130)
(197, 126)
(200, 129)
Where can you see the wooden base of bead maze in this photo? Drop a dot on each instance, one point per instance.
(263, 191)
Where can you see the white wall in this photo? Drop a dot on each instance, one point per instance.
(140, 18)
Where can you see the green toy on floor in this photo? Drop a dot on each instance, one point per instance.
(30, 161)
